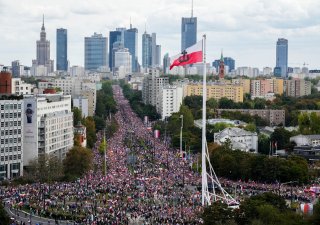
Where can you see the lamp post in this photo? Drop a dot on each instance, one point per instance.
(291, 191)
(181, 117)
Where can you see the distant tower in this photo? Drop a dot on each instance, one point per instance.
(282, 57)
(221, 67)
(188, 31)
(62, 49)
(43, 51)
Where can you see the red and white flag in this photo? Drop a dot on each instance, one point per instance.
(191, 55)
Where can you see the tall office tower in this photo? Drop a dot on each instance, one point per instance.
(158, 55)
(131, 43)
(282, 56)
(146, 50)
(43, 51)
(114, 36)
(62, 49)
(188, 31)
(95, 51)
(230, 62)
(115, 47)
(11, 139)
(166, 63)
(153, 48)
(17, 69)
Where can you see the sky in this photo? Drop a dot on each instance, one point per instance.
(246, 30)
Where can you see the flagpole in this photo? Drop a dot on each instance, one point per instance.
(204, 116)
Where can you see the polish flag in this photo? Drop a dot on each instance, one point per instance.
(191, 55)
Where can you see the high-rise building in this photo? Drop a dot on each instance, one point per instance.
(17, 69)
(114, 36)
(158, 55)
(43, 52)
(62, 49)
(131, 43)
(188, 32)
(146, 50)
(122, 63)
(282, 56)
(95, 51)
(11, 139)
(230, 62)
(297, 87)
(170, 100)
(48, 126)
(166, 63)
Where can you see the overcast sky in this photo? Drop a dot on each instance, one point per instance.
(246, 30)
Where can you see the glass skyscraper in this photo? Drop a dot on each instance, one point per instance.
(146, 50)
(95, 51)
(188, 32)
(114, 36)
(131, 43)
(282, 56)
(228, 61)
(62, 49)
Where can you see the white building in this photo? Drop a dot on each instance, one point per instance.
(312, 140)
(152, 86)
(82, 103)
(11, 139)
(267, 71)
(170, 100)
(247, 71)
(122, 63)
(240, 139)
(77, 71)
(48, 126)
(19, 87)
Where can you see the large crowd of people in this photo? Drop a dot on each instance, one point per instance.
(145, 182)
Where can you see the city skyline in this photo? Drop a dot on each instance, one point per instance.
(246, 31)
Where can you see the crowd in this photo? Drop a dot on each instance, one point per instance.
(145, 183)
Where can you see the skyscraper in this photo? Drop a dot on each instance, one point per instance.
(166, 63)
(146, 50)
(282, 56)
(230, 62)
(62, 49)
(43, 51)
(95, 51)
(114, 36)
(188, 31)
(131, 43)
(158, 55)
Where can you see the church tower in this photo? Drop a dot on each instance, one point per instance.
(221, 67)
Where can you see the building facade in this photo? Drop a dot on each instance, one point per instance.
(131, 43)
(282, 56)
(62, 49)
(188, 32)
(273, 117)
(170, 100)
(146, 50)
(122, 63)
(19, 87)
(114, 36)
(240, 139)
(48, 126)
(297, 87)
(216, 91)
(11, 140)
(95, 50)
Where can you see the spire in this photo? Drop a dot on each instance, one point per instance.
(130, 23)
(42, 28)
(191, 8)
(221, 55)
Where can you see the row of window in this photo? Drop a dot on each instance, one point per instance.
(11, 157)
(10, 141)
(10, 132)
(10, 149)
(10, 115)
(10, 123)
(10, 106)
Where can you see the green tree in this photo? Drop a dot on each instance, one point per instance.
(251, 127)
(77, 162)
(217, 214)
(77, 116)
(91, 131)
(263, 144)
(4, 218)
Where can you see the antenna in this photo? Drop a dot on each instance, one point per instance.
(130, 23)
(191, 8)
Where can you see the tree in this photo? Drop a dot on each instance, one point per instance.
(77, 162)
(4, 218)
(91, 131)
(77, 115)
(45, 168)
(263, 144)
(217, 214)
(251, 127)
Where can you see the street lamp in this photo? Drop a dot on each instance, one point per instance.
(181, 117)
(289, 182)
